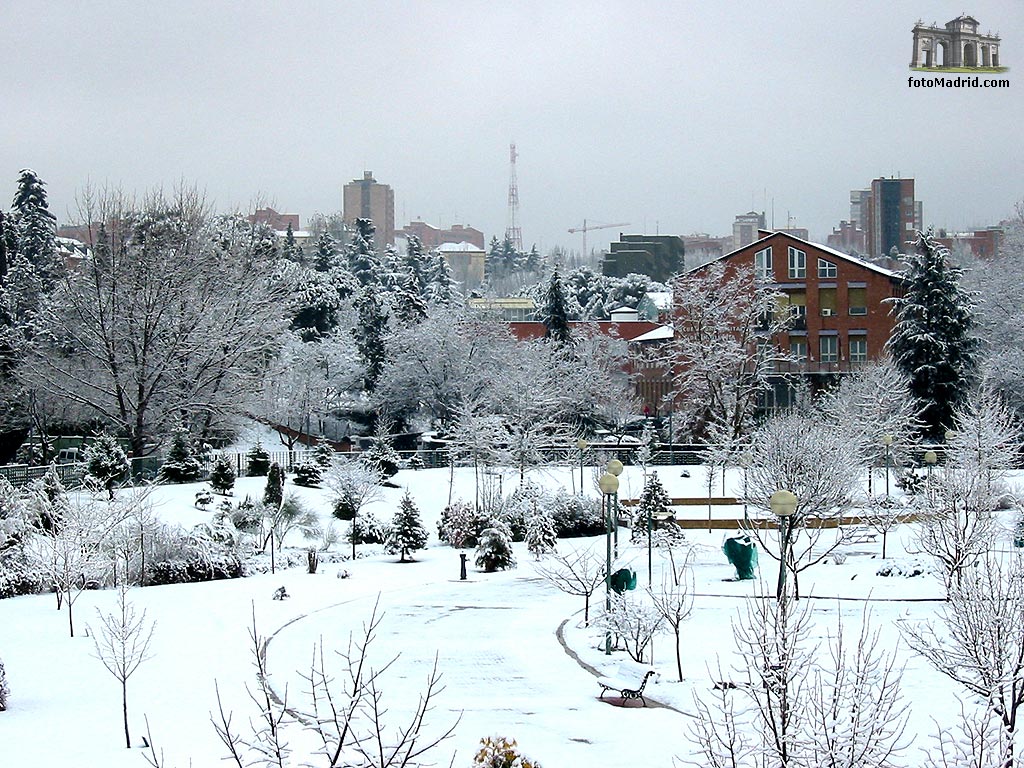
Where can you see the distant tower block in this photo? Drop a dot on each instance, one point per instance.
(513, 234)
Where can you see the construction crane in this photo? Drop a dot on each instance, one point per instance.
(588, 227)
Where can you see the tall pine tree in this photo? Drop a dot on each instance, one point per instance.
(933, 341)
(406, 534)
(442, 288)
(554, 313)
(362, 254)
(370, 333)
(36, 227)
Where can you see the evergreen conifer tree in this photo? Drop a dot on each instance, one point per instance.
(382, 458)
(36, 226)
(370, 333)
(442, 288)
(494, 551)
(3, 247)
(534, 263)
(257, 461)
(5, 689)
(541, 536)
(291, 250)
(654, 502)
(416, 262)
(273, 493)
(181, 465)
(554, 313)
(222, 476)
(933, 341)
(410, 308)
(407, 534)
(323, 453)
(362, 254)
(326, 257)
(105, 462)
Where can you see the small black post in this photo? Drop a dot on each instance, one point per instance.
(462, 566)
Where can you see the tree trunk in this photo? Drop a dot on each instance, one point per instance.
(679, 656)
(71, 622)
(124, 712)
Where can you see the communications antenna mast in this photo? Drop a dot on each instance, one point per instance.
(513, 233)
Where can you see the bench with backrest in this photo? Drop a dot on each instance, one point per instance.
(629, 682)
(857, 534)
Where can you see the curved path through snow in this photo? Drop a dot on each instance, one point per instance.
(503, 669)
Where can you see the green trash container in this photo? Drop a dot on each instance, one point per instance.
(623, 579)
(741, 551)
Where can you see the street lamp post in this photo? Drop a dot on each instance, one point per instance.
(614, 468)
(887, 442)
(783, 505)
(582, 445)
(609, 485)
(930, 457)
(745, 463)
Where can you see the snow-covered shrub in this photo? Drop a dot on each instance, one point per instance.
(19, 576)
(180, 464)
(382, 458)
(273, 493)
(5, 689)
(416, 461)
(499, 752)
(906, 569)
(247, 517)
(459, 525)
(292, 515)
(222, 476)
(308, 474)
(576, 515)
(106, 463)
(257, 461)
(312, 560)
(176, 557)
(494, 552)
(669, 535)
(203, 499)
(366, 529)
(910, 482)
(406, 534)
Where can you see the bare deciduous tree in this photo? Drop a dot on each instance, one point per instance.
(122, 644)
(674, 601)
(576, 572)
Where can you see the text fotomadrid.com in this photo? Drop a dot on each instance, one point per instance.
(957, 82)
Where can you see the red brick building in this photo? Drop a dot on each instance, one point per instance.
(431, 236)
(840, 316)
(277, 221)
(980, 243)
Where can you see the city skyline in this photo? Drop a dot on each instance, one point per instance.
(674, 119)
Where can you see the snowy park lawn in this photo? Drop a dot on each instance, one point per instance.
(511, 648)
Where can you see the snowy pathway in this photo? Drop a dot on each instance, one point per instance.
(501, 663)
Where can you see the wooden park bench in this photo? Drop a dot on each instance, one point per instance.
(628, 681)
(858, 534)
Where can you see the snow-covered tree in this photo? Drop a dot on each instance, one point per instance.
(634, 621)
(180, 464)
(934, 340)
(327, 255)
(654, 502)
(173, 322)
(978, 639)
(291, 250)
(721, 355)
(36, 226)
(554, 312)
(362, 254)
(381, 458)
(5, 689)
(799, 453)
(273, 493)
(370, 334)
(257, 460)
(410, 308)
(352, 485)
(106, 462)
(575, 572)
(541, 536)
(494, 550)
(222, 476)
(406, 534)
(442, 289)
(674, 601)
(121, 640)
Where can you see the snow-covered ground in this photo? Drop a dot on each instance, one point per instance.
(502, 643)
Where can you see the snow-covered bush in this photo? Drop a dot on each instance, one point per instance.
(203, 499)
(222, 476)
(406, 534)
(367, 529)
(5, 689)
(499, 752)
(323, 454)
(308, 474)
(460, 525)
(576, 515)
(668, 536)
(273, 493)
(106, 463)
(257, 461)
(176, 557)
(382, 458)
(494, 552)
(180, 464)
(18, 575)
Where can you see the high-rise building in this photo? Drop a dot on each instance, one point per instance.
(893, 216)
(366, 198)
(745, 227)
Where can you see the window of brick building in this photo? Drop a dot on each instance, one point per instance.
(797, 264)
(828, 349)
(827, 301)
(798, 348)
(858, 297)
(763, 264)
(827, 269)
(858, 349)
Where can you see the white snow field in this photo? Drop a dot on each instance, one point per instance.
(511, 648)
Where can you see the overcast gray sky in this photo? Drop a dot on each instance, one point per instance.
(672, 116)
